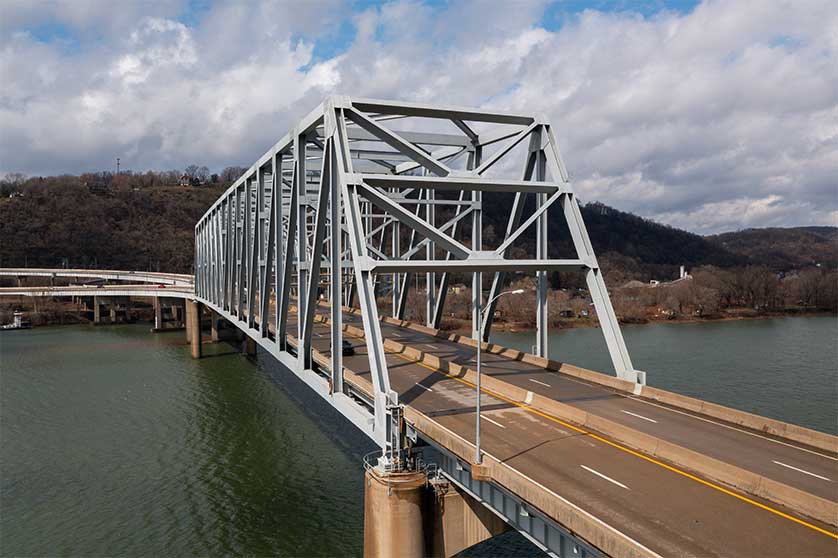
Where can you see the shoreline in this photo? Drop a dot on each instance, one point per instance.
(71, 317)
(517, 327)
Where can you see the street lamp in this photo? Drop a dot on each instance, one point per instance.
(478, 458)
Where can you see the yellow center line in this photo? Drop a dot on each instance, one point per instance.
(619, 446)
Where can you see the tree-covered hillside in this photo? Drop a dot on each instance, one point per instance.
(784, 248)
(145, 221)
(61, 221)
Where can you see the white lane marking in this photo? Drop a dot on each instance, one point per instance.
(434, 347)
(567, 502)
(484, 417)
(423, 387)
(754, 434)
(639, 416)
(609, 479)
(540, 383)
(803, 471)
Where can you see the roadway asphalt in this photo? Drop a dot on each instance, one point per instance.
(662, 509)
(813, 471)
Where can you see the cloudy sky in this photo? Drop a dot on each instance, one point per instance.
(709, 116)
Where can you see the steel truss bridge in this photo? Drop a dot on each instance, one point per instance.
(326, 205)
(366, 206)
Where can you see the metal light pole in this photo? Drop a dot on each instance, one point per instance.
(478, 457)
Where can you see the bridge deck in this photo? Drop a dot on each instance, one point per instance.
(650, 502)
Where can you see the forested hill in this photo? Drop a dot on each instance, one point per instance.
(784, 248)
(61, 221)
(146, 222)
(652, 243)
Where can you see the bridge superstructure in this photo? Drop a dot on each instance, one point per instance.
(334, 199)
(581, 463)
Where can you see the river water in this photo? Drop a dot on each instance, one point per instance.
(114, 441)
(784, 368)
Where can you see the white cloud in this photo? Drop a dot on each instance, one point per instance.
(160, 44)
(718, 119)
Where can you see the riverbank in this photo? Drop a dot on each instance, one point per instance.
(51, 313)
(463, 326)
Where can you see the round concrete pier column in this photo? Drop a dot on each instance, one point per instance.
(393, 514)
(249, 346)
(193, 326)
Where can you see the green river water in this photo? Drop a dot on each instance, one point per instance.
(114, 442)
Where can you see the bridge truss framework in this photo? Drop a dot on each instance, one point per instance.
(321, 215)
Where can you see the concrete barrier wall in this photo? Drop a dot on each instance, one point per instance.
(709, 467)
(773, 427)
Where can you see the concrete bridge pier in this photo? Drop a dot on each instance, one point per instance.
(393, 514)
(112, 310)
(458, 521)
(193, 327)
(249, 346)
(97, 311)
(158, 314)
(214, 318)
(178, 313)
(406, 514)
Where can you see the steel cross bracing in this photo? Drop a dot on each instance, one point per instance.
(366, 201)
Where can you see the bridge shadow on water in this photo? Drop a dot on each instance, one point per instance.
(331, 423)
(510, 544)
(277, 462)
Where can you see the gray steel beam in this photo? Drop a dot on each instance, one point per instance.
(421, 226)
(472, 265)
(458, 183)
(436, 111)
(398, 143)
(321, 216)
(302, 238)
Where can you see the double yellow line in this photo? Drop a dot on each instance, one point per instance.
(622, 448)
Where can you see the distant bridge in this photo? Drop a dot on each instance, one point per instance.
(100, 291)
(306, 250)
(104, 274)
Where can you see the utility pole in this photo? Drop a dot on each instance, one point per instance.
(117, 167)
